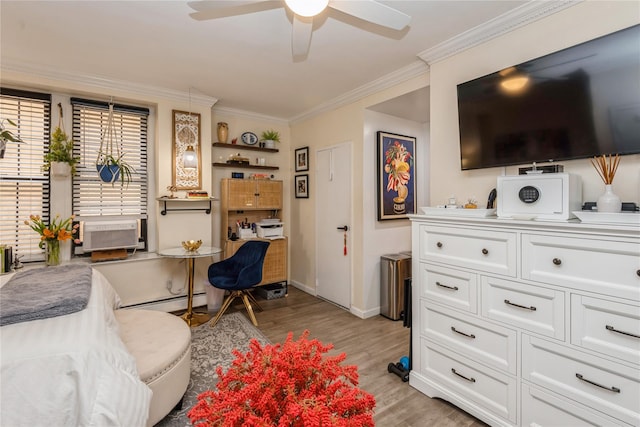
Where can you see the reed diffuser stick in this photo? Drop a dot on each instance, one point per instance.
(606, 167)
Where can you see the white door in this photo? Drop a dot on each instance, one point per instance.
(333, 214)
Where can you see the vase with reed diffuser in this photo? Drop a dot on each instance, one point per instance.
(606, 168)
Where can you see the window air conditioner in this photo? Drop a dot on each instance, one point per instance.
(105, 235)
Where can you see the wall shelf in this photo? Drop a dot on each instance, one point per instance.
(244, 147)
(164, 201)
(230, 165)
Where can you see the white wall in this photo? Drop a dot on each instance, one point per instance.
(576, 24)
(391, 236)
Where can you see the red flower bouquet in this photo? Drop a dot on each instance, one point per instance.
(291, 384)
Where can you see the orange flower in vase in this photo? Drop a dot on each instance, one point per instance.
(52, 234)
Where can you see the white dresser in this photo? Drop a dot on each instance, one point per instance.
(528, 323)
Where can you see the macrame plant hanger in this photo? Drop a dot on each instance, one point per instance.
(108, 171)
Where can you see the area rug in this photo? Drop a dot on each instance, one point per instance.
(210, 348)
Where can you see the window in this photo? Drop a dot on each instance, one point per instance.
(24, 187)
(93, 198)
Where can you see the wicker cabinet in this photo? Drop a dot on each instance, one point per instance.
(252, 194)
(249, 200)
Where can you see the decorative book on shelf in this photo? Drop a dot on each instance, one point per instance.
(197, 195)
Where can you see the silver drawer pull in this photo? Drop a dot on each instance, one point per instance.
(532, 308)
(471, 380)
(462, 333)
(612, 329)
(453, 288)
(613, 389)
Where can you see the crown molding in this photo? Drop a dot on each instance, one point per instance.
(516, 18)
(248, 115)
(403, 74)
(71, 79)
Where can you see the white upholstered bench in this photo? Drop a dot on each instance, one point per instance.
(161, 345)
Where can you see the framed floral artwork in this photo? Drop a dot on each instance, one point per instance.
(396, 176)
(302, 186)
(302, 159)
(186, 137)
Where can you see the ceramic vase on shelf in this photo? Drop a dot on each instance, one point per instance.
(609, 202)
(223, 132)
(52, 252)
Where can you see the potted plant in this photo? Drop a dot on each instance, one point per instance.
(59, 160)
(270, 137)
(6, 136)
(112, 169)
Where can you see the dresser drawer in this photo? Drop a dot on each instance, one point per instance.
(533, 308)
(607, 327)
(602, 266)
(607, 387)
(490, 251)
(545, 409)
(494, 391)
(478, 340)
(454, 288)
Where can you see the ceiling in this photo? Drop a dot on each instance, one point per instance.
(244, 62)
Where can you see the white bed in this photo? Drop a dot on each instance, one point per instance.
(71, 370)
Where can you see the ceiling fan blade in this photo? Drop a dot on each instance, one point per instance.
(372, 11)
(301, 35)
(221, 9)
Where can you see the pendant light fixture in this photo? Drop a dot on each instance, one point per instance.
(189, 158)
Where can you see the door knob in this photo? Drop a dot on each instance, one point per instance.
(345, 228)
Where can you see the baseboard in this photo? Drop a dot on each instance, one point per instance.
(173, 304)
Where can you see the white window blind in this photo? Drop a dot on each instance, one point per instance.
(91, 196)
(24, 187)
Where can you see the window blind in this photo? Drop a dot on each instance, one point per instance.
(91, 196)
(24, 187)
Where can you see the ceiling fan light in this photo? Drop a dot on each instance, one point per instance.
(307, 8)
(189, 160)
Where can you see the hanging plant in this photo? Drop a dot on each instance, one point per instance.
(6, 135)
(60, 152)
(110, 164)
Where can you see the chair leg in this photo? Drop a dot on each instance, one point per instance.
(254, 301)
(247, 304)
(225, 306)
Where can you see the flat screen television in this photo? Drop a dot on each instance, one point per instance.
(575, 103)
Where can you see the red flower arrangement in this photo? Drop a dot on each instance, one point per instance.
(291, 384)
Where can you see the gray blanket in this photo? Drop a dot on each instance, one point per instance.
(41, 293)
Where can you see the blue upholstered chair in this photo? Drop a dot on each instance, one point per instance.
(238, 274)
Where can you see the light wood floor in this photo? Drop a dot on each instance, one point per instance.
(371, 344)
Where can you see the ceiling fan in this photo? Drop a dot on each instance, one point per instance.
(303, 13)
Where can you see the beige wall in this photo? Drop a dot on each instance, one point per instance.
(571, 26)
(147, 279)
(345, 124)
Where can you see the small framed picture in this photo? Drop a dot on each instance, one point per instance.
(302, 186)
(302, 159)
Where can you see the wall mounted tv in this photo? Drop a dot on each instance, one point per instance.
(575, 103)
